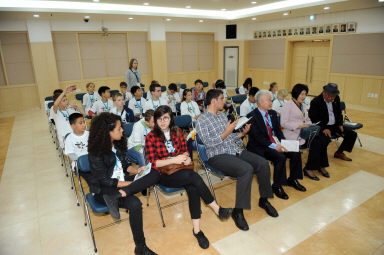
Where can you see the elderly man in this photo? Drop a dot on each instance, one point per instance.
(264, 139)
(325, 108)
(225, 153)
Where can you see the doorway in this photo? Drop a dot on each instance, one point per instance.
(231, 66)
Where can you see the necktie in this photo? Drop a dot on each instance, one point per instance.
(269, 128)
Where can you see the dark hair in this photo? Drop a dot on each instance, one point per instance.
(102, 90)
(253, 91)
(213, 94)
(198, 81)
(160, 111)
(172, 86)
(56, 96)
(220, 84)
(134, 89)
(57, 91)
(149, 114)
(74, 116)
(185, 91)
(247, 82)
(123, 84)
(272, 85)
(153, 87)
(297, 89)
(131, 62)
(99, 141)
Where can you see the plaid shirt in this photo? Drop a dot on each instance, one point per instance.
(210, 127)
(155, 148)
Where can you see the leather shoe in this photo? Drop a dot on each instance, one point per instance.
(271, 211)
(241, 223)
(224, 213)
(296, 184)
(324, 172)
(143, 250)
(315, 178)
(279, 192)
(341, 156)
(201, 239)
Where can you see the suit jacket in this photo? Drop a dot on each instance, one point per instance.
(258, 135)
(319, 111)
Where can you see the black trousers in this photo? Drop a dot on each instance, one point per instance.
(133, 205)
(243, 167)
(348, 135)
(189, 180)
(317, 155)
(278, 160)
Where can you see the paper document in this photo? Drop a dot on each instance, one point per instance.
(290, 145)
(144, 173)
(241, 122)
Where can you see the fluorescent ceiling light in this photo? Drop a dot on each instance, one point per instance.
(312, 17)
(106, 8)
(130, 18)
(327, 8)
(201, 21)
(36, 15)
(285, 13)
(223, 9)
(253, 18)
(146, 3)
(86, 17)
(96, 1)
(168, 19)
(188, 7)
(253, 2)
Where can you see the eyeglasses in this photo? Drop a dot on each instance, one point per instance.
(164, 119)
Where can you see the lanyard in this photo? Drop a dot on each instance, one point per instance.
(195, 95)
(65, 116)
(270, 123)
(135, 73)
(106, 105)
(139, 105)
(302, 110)
(91, 97)
(189, 109)
(253, 105)
(155, 106)
(281, 105)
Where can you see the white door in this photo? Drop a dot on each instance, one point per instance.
(231, 66)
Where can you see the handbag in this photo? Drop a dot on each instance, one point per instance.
(308, 133)
(173, 168)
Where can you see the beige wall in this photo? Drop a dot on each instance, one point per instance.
(18, 97)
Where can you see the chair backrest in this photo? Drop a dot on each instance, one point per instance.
(239, 99)
(238, 110)
(50, 104)
(83, 163)
(237, 91)
(178, 107)
(183, 86)
(126, 104)
(80, 96)
(145, 95)
(48, 99)
(183, 121)
(201, 149)
(143, 89)
(205, 84)
(342, 105)
(128, 127)
(163, 88)
(112, 92)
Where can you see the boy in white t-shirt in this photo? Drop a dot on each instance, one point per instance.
(61, 112)
(156, 99)
(103, 105)
(250, 103)
(119, 109)
(91, 97)
(123, 90)
(136, 141)
(136, 104)
(171, 96)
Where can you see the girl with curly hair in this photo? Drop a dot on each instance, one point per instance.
(107, 148)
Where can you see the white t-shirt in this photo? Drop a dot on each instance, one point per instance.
(246, 107)
(99, 106)
(277, 105)
(191, 109)
(149, 96)
(181, 93)
(172, 104)
(151, 104)
(89, 100)
(137, 105)
(122, 114)
(128, 96)
(139, 132)
(242, 90)
(77, 144)
(51, 113)
(118, 172)
(61, 118)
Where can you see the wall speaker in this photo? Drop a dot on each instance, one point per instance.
(231, 31)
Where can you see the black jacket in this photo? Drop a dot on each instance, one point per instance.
(258, 135)
(102, 170)
(319, 111)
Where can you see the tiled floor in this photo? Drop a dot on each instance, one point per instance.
(340, 215)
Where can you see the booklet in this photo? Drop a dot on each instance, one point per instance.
(290, 145)
(241, 122)
(144, 173)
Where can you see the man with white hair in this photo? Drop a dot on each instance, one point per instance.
(264, 139)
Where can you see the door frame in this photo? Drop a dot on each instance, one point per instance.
(238, 53)
(289, 42)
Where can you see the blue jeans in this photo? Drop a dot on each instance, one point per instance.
(139, 157)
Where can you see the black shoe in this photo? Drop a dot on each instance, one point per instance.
(224, 213)
(315, 178)
(112, 202)
(296, 185)
(239, 220)
(324, 173)
(201, 239)
(279, 192)
(143, 250)
(271, 211)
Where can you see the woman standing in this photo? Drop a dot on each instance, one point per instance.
(107, 147)
(132, 75)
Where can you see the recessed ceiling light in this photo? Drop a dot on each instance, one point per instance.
(201, 21)
(96, 1)
(36, 15)
(86, 17)
(312, 17)
(327, 8)
(146, 3)
(188, 6)
(223, 9)
(285, 13)
(253, 18)
(168, 19)
(130, 18)
(253, 2)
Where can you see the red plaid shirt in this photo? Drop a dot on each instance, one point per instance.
(155, 147)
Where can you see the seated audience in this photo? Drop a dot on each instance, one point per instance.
(136, 104)
(156, 99)
(123, 90)
(180, 90)
(279, 102)
(250, 103)
(107, 147)
(198, 94)
(91, 97)
(103, 105)
(189, 107)
(225, 153)
(149, 95)
(325, 108)
(118, 108)
(264, 139)
(56, 93)
(136, 141)
(273, 88)
(294, 119)
(244, 90)
(171, 96)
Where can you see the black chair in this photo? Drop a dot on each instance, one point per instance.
(80, 96)
(237, 91)
(348, 124)
(183, 86)
(239, 99)
(205, 84)
(238, 110)
(112, 92)
(178, 109)
(163, 88)
(48, 99)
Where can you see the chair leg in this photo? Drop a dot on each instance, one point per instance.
(148, 193)
(61, 151)
(358, 138)
(158, 205)
(73, 182)
(90, 227)
(210, 183)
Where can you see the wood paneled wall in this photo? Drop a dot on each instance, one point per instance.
(263, 77)
(18, 97)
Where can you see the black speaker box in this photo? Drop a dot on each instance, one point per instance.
(231, 31)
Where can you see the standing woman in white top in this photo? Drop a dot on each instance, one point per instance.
(280, 101)
(273, 88)
(132, 75)
(189, 107)
(243, 90)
